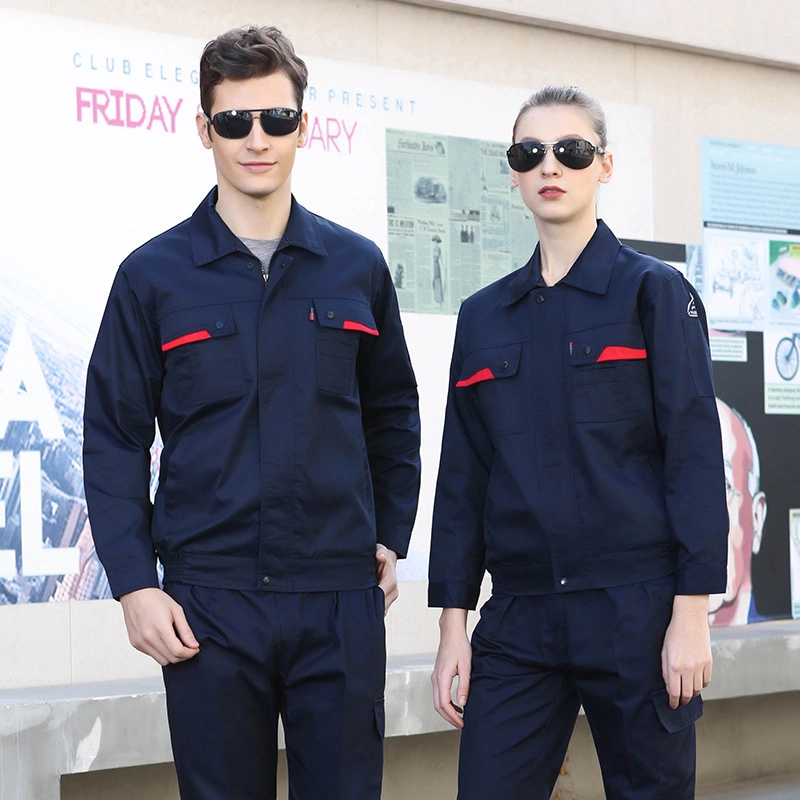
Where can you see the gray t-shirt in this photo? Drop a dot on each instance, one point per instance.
(263, 250)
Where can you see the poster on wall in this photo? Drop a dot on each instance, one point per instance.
(751, 234)
(116, 160)
(455, 224)
(760, 463)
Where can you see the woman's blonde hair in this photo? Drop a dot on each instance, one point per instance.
(551, 95)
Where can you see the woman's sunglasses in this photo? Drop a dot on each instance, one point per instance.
(238, 124)
(572, 153)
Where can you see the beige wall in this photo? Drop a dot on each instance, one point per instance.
(688, 95)
(714, 27)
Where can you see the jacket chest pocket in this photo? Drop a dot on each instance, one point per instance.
(202, 354)
(494, 374)
(609, 376)
(340, 325)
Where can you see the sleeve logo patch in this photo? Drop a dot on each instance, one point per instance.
(691, 309)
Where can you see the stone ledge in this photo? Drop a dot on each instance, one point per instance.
(46, 732)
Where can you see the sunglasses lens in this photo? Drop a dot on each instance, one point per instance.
(574, 153)
(232, 124)
(279, 121)
(238, 124)
(524, 156)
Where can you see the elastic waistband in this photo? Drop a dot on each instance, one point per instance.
(244, 574)
(606, 570)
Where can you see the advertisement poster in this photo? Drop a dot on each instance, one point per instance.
(762, 460)
(751, 235)
(760, 436)
(116, 160)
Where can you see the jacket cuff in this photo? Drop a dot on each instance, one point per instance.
(694, 579)
(453, 595)
(132, 578)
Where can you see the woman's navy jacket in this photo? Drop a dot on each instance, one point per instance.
(581, 445)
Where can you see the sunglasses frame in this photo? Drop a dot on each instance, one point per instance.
(266, 116)
(563, 157)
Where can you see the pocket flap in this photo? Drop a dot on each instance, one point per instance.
(676, 719)
(487, 365)
(348, 315)
(195, 324)
(623, 342)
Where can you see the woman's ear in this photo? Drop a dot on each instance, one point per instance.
(606, 168)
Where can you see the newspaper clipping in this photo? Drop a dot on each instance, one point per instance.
(454, 224)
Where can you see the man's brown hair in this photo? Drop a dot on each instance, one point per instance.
(251, 52)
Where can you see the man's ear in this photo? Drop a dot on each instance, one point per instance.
(759, 518)
(203, 129)
(303, 129)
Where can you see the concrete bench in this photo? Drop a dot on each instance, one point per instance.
(52, 731)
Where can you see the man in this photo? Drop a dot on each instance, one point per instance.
(747, 510)
(267, 344)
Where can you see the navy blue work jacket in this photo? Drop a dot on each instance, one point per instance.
(288, 412)
(582, 444)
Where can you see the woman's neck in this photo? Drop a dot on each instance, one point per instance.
(560, 245)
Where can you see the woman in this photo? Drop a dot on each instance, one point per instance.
(581, 466)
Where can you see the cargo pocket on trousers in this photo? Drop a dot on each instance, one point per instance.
(379, 717)
(373, 763)
(677, 745)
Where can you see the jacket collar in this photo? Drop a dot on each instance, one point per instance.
(212, 238)
(591, 272)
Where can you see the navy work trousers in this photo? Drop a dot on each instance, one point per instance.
(316, 659)
(536, 660)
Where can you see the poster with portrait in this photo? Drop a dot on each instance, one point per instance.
(761, 451)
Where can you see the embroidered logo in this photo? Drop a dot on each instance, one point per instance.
(691, 309)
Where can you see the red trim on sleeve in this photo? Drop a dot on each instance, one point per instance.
(189, 337)
(615, 353)
(484, 374)
(349, 325)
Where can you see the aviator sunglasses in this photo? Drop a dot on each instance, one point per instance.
(572, 153)
(237, 124)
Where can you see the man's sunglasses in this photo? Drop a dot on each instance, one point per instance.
(572, 153)
(238, 124)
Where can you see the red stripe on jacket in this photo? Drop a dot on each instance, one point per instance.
(484, 374)
(349, 325)
(190, 337)
(621, 354)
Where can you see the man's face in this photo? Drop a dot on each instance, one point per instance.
(259, 166)
(746, 513)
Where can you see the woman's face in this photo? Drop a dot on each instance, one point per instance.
(554, 193)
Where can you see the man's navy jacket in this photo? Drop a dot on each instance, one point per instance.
(288, 412)
(582, 445)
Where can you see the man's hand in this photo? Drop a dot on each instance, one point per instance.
(454, 660)
(686, 654)
(157, 626)
(386, 570)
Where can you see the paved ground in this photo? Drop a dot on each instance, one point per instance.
(786, 788)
